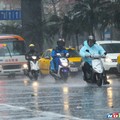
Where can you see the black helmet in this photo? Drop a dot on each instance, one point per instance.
(61, 43)
(91, 40)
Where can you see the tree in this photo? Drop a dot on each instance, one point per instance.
(12, 27)
(91, 13)
(32, 22)
(116, 7)
(51, 28)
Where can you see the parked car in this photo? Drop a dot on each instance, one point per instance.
(118, 63)
(74, 59)
(113, 50)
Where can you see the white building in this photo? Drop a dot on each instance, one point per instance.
(10, 4)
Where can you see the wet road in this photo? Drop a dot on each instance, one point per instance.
(23, 99)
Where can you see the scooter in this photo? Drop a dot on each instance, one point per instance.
(63, 68)
(34, 68)
(97, 73)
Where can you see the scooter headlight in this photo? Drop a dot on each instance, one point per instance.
(34, 57)
(25, 66)
(108, 59)
(65, 64)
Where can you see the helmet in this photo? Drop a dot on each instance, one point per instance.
(91, 40)
(31, 45)
(90, 37)
(61, 43)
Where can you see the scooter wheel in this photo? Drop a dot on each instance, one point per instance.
(64, 77)
(35, 75)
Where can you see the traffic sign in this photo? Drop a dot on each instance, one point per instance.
(10, 14)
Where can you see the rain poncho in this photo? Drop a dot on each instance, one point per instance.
(55, 61)
(94, 50)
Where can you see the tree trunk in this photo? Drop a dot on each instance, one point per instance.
(32, 22)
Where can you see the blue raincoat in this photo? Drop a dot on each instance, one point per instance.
(94, 50)
(55, 61)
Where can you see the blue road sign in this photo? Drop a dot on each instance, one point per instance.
(10, 14)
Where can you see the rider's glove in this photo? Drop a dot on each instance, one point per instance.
(67, 54)
(103, 55)
(87, 55)
(97, 55)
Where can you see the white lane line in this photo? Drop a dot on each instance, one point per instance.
(43, 114)
(55, 116)
(12, 107)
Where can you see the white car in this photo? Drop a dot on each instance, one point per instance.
(113, 50)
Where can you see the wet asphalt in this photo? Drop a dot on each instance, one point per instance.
(45, 99)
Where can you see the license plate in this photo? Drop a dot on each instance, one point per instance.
(73, 69)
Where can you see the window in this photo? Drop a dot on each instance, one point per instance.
(73, 53)
(111, 48)
(14, 48)
(47, 54)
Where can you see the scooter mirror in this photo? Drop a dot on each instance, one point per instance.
(105, 53)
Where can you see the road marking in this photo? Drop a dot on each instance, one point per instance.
(43, 115)
(12, 107)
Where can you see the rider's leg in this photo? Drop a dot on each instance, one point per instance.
(28, 66)
(105, 78)
(52, 67)
(29, 70)
(84, 73)
(56, 64)
(86, 68)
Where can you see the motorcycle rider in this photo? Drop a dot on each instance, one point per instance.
(32, 51)
(91, 46)
(55, 59)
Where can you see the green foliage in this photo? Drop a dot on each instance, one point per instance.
(116, 17)
(84, 16)
(14, 28)
(51, 27)
(91, 13)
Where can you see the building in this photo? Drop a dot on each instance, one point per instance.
(5, 6)
(10, 4)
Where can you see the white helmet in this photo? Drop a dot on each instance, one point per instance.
(90, 37)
